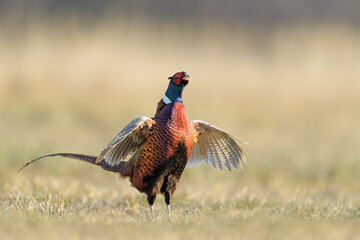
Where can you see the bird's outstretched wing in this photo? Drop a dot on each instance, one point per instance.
(127, 141)
(215, 147)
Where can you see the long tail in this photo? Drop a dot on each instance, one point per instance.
(82, 157)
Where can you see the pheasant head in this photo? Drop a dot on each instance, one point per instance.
(176, 86)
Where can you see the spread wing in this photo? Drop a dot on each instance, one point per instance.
(215, 147)
(127, 141)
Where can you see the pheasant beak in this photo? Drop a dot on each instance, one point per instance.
(186, 79)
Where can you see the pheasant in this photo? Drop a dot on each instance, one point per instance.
(161, 147)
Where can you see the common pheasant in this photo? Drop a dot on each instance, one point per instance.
(162, 146)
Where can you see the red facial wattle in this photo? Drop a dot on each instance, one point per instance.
(177, 80)
(180, 78)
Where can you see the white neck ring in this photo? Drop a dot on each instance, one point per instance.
(166, 100)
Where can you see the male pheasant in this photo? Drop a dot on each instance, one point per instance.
(161, 147)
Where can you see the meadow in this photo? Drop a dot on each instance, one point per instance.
(291, 92)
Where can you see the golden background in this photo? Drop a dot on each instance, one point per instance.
(282, 75)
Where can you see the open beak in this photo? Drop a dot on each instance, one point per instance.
(186, 79)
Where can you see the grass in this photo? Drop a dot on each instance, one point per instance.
(51, 205)
(296, 100)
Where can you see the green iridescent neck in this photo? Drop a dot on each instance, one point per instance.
(174, 92)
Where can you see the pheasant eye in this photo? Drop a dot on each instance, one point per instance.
(177, 80)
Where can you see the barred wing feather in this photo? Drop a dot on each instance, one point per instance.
(127, 141)
(215, 147)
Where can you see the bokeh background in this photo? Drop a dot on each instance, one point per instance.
(283, 75)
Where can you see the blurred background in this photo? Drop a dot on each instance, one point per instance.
(283, 75)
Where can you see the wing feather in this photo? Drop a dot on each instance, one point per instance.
(215, 151)
(127, 141)
(215, 147)
(203, 152)
(236, 156)
(222, 150)
(210, 153)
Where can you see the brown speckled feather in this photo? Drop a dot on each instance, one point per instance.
(171, 130)
(161, 147)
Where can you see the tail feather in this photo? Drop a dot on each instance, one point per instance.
(82, 157)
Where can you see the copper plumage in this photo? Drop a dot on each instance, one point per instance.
(161, 147)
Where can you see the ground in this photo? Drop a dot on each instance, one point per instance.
(59, 205)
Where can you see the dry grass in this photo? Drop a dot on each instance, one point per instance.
(293, 92)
